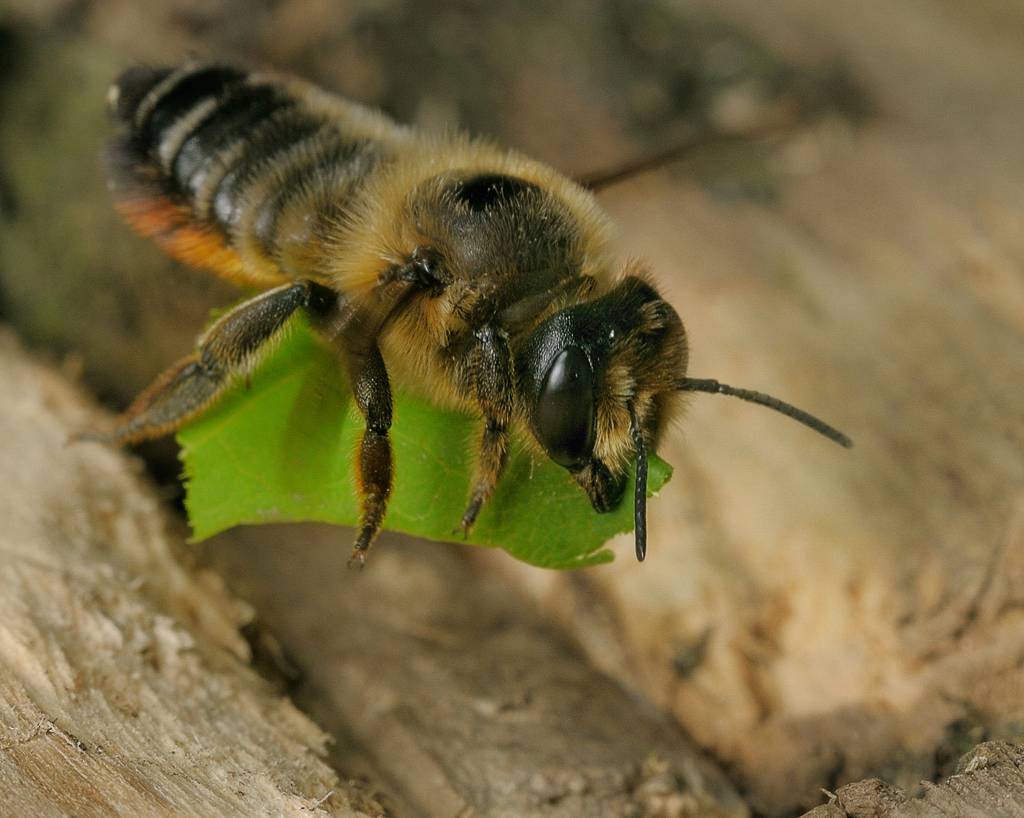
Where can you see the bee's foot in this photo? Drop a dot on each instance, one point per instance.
(469, 517)
(358, 558)
(91, 436)
(464, 527)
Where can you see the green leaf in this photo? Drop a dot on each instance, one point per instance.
(281, 448)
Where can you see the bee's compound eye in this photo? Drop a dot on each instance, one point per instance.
(564, 417)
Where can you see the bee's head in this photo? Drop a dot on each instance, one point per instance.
(597, 379)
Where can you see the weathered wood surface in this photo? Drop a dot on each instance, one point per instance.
(812, 616)
(463, 701)
(124, 684)
(988, 783)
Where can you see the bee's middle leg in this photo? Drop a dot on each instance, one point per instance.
(372, 392)
(489, 366)
(356, 331)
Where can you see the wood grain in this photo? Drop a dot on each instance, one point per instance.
(988, 783)
(124, 684)
(812, 617)
(455, 693)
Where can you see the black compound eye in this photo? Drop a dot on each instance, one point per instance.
(564, 417)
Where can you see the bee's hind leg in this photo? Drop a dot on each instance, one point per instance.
(232, 346)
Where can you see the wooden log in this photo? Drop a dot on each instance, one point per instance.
(811, 616)
(988, 783)
(124, 684)
(465, 701)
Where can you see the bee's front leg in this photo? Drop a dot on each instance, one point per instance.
(488, 366)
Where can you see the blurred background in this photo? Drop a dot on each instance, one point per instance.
(808, 616)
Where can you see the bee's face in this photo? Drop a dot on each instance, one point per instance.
(589, 370)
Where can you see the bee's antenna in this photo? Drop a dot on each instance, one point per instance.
(640, 496)
(807, 419)
(612, 176)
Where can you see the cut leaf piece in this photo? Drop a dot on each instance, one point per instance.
(280, 449)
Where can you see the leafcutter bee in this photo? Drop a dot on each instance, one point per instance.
(477, 276)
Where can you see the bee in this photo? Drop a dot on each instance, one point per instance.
(474, 275)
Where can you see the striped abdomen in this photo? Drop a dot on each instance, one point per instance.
(240, 172)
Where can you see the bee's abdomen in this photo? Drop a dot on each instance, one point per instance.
(232, 170)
